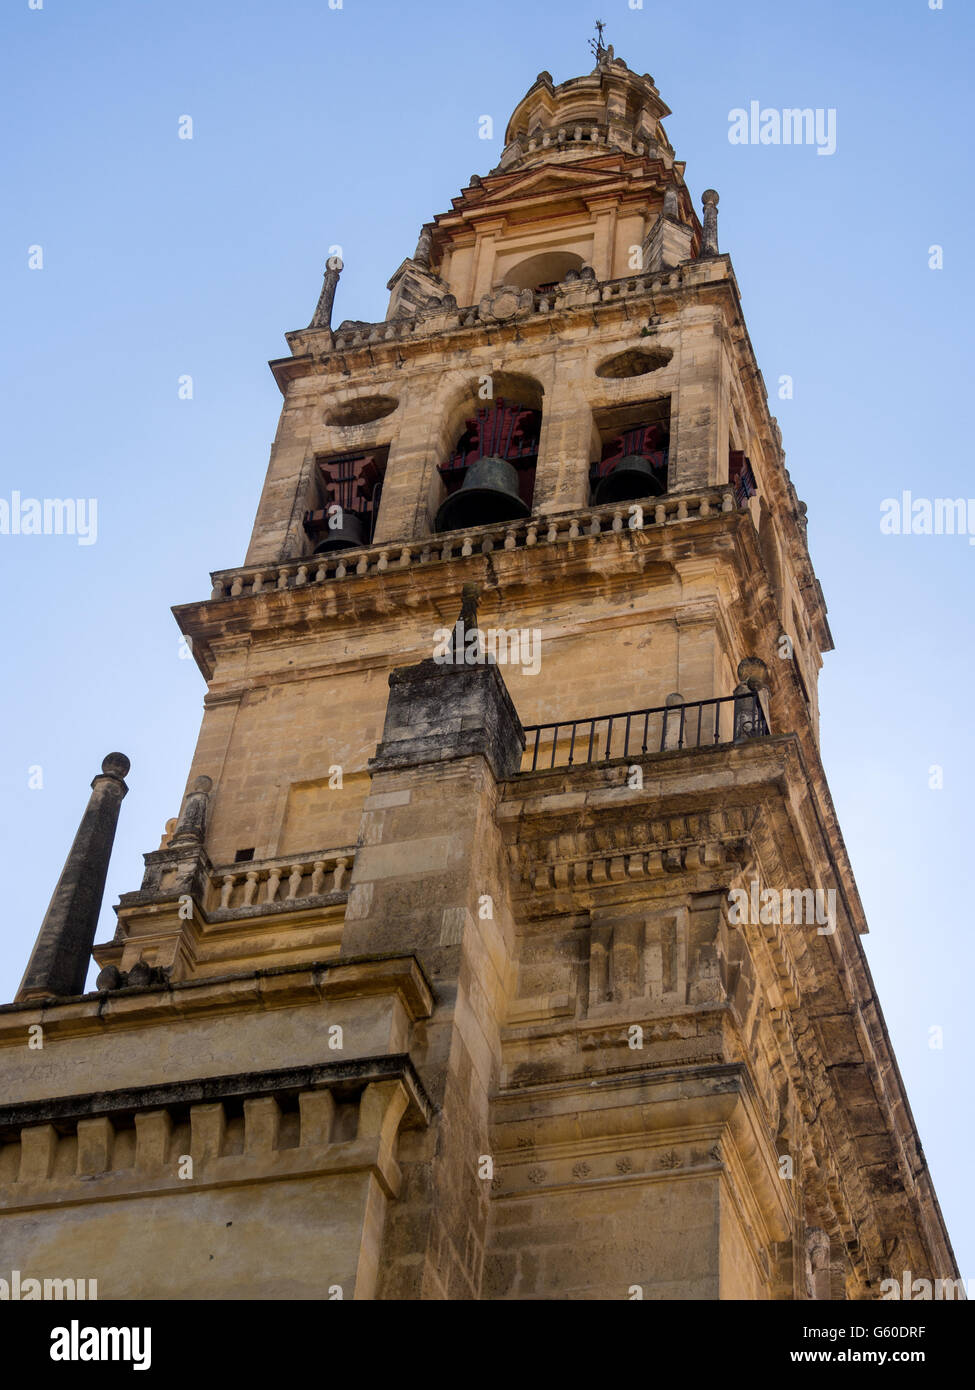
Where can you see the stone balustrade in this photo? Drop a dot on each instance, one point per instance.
(437, 318)
(655, 512)
(279, 884)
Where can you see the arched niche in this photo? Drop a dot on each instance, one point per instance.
(546, 268)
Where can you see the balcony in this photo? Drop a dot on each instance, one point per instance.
(671, 509)
(640, 733)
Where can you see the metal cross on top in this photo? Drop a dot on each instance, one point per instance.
(596, 44)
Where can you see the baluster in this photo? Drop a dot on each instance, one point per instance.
(405, 557)
(340, 570)
(321, 573)
(552, 534)
(510, 539)
(363, 566)
(617, 520)
(339, 876)
(487, 544)
(237, 587)
(294, 881)
(446, 551)
(660, 514)
(282, 578)
(532, 536)
(573, 529)
(226, 889)
(250, 888)
(595, 526)
(273, 883)
(383, 562)
(682, 510)
(705, 509)
(317, 877)
(258, 584)
(728, 502)
(467, 548)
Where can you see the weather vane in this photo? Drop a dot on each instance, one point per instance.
(596, 44)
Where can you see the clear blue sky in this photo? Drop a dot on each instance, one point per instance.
(315, 126)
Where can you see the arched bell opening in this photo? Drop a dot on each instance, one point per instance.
(348, 488)
(633, 462)
(489, 476)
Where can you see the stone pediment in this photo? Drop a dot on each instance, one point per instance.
(544, 181)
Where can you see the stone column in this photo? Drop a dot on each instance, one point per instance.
(59, 961)
(709, 243)
(322, 317)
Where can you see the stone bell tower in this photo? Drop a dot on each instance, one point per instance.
(506, 945)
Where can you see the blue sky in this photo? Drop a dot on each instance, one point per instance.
(311, 127)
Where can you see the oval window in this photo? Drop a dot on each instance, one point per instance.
(362, 411)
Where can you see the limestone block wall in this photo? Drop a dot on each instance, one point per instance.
(262, 1198)
(226, 1138)
(632, 1185)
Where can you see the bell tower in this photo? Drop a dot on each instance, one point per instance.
(505, 945)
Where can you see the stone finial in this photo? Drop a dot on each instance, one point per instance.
(191, 826)
(671, 208)
(322, 317)
(424, 246)
(59, 961)
(709, 245)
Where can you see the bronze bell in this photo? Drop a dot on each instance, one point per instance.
(489, 493)
(630, 478)
(350, 535)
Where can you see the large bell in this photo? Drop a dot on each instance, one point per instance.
(489, 493)
(350, 535)
(632, 477)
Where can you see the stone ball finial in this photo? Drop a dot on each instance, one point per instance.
(203, 784)
(141, 973)
(709, 198)
(753, 672)
(115, 765)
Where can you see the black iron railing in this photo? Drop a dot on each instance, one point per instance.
(635, 733)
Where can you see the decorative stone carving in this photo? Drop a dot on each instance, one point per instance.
(505, 304)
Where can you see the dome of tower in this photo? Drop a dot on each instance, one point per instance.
(610, 108)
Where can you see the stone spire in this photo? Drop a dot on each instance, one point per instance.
(59, 961)
(322, 317)
(709, 243)
(424, 246)
(191, 826)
